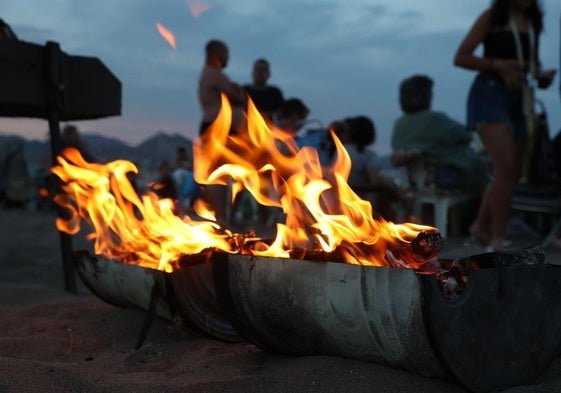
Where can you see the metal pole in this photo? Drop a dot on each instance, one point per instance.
(55, 86)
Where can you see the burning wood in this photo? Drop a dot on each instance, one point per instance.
(325, 219)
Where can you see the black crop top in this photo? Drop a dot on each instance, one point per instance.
(501, 45)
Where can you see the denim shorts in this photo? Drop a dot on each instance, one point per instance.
(491, 101)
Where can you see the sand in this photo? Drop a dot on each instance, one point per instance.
(53, 341)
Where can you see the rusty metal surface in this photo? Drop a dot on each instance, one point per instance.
(303, 308)
(504, 331)
(122, 284)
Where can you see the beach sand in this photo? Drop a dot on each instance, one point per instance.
(53, 341)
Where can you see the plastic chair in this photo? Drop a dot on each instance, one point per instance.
(425, 192)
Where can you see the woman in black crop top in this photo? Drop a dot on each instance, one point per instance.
(495, 108)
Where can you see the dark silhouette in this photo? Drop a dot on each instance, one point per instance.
(17, 187)
(6, 32)
(164, 186)
(357, 136)
(71, 138)
(213, 82)
(267, 98)
(291, 115)
(442, 140)
(499, 99)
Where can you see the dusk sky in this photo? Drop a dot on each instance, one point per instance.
(341, 57)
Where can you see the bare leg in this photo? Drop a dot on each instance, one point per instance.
(497, 138)
(480, 227)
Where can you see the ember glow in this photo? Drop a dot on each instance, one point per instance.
(322, 211)
(197, 7)
(166, 34)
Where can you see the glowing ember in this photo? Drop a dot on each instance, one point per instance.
(43, 192)
(166, 34)
(197, 7)
(322, 211)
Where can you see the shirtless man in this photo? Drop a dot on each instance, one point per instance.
(212, 83)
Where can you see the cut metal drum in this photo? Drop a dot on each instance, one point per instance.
(503, 330)
(186, 293)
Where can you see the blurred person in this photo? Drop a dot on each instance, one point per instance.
(17, 186)
(6, 32)
(267, 98)
(164, 186)
(182, 160)
(499, 100)
(212, 83)
(444, 141)
(70, 137)
(365, 175)
(183, 178)
(291, 116)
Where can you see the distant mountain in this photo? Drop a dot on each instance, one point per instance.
(161, 147)
(106, 149)
(148, 154)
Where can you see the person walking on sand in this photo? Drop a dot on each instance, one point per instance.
(509, 31)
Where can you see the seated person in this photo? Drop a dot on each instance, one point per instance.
(291, 116)
(443, 140)
(365, 174)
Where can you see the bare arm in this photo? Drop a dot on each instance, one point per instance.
(465, 58)
(235, 93)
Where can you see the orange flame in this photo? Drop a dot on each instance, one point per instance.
(317, 201)
(197, 7)
(322, 211)
(166, 34)
(126, 226)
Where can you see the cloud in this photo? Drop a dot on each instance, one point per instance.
(342, 57)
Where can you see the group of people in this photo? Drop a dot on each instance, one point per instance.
(499, 104)
(288, 115)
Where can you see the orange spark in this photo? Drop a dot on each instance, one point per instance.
(168, 35)
(197, 7)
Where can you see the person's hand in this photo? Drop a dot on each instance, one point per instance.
(236, 87)
(237, 94)
(545, 78)
(509, 71)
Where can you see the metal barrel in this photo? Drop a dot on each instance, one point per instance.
(122, 284)
(503, 330)
(194, 292)
(305, 308)
(186, 293)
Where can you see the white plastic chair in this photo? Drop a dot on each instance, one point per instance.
(421, 175)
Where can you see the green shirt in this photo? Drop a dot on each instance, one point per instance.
(444, 140)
